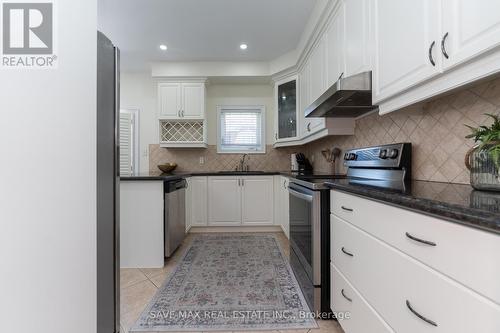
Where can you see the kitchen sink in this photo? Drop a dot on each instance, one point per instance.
(240, 172)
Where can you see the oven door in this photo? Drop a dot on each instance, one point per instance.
(305, 231)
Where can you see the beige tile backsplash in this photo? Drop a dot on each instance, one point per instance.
(435, 129)
(189, 159)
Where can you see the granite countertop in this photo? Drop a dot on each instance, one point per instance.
(172, 176)
(457, 203)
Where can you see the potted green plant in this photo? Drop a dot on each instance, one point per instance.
(483, 160)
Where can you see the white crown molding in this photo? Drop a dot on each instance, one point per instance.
(316, 25)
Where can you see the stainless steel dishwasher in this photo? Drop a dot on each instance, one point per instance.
(174, 214)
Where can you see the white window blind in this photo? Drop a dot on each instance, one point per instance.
(241, 129)
(126, 144)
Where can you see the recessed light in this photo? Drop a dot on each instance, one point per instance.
(163, 47)
(243, 46)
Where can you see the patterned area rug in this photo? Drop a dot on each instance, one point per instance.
(228, 282)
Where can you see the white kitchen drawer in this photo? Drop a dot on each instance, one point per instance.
(387, 279)
(467, 255)
(345, 298)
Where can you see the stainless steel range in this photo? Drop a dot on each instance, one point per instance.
(385, 166)
(310, 238)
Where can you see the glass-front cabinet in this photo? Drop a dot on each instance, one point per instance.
(286, 105)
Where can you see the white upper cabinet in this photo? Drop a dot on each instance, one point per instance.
(193, 98)
(406, 50)
(317, 62)
(357, 36)
(316, 75)
(181, 100)
(304, 93)
(287, 109)
(257, 198)
(469, 29)
(169, 100)
(335, 55)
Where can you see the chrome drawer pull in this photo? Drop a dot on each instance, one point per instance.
(343, 294)
(347, 209)
(423, 241)
(433, 323)
(348, 253)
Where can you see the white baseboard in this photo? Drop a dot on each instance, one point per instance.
(273, 228)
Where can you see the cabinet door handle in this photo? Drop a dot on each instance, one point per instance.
(347, 209)
(348, 253)
(242, 182)
(284, 184)
(347, 298)
(433, 323)
(431, 59)
(443, 46)
(276, 136)
(423, 241)
(309, 127)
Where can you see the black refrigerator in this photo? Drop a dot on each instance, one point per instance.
(108, 186)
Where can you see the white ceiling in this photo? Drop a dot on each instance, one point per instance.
(202, 30)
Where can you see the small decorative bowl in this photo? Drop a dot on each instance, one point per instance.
(167, 167)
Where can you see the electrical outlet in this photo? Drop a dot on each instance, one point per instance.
(202, 160)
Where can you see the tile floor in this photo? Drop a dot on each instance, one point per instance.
(138, 286)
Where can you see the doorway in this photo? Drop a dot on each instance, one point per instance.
(129, 142)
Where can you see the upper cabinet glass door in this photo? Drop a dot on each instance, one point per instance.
(287, 110)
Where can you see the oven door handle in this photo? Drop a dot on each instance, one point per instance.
(300, 195)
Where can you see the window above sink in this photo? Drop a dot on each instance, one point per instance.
(241, 130)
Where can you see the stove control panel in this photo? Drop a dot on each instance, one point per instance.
(397, 155)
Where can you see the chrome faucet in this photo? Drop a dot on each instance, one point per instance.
(241, 165)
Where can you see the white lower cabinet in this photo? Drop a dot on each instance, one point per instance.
(197, 202)
(141, 224)
(285, 206)
(257, 200)
(354, 313)
(234, 201)
(455, 246)
(224, 201)
(408, 295)
(282, 204)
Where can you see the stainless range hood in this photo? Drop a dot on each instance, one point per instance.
(348, 97)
